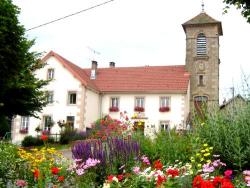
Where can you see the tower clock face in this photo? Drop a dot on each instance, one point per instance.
(201, 66)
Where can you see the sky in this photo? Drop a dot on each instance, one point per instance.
(136, 33)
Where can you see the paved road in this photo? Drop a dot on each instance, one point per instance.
(67, 153)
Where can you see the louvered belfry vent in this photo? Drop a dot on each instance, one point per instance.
(201, 45)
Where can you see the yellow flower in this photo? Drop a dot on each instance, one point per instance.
(199, 165)
(206, 154)
(202, 159)
(197, 154)
(208, 161)
(205, 145)
(203, 151)
(211, 148)
(207, 149)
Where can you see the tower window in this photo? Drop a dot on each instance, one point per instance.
(201, 80)
(201, 45)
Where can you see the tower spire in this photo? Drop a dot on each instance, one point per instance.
(202, 6)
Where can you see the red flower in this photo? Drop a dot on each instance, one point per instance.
(110, 178)
(160, 180)
(61, 178)
(197, 182)
(164, 109)
(120, 177)
(139, 109)
(172, 172)
(158, 165)
(36, 173)
(114, 109)
(44, 137)
(55, 170)
(217, 180)
(227, 184)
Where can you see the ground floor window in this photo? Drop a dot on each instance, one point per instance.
(70, 121)
(48, 123)
(24, 124)
(164, 125)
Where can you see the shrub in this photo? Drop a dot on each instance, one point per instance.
(31, 141)
(229, 134)
(168, 146)
(12, 167)
(34, 141)
(69, 135)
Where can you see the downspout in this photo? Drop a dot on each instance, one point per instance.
(100, 105)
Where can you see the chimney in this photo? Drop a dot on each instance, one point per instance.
(112, 64)
(93, 70)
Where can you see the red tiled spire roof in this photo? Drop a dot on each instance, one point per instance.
(148, 79)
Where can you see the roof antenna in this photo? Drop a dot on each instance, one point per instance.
(202, 6)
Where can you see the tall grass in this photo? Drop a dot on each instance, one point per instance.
(229, 133)
(167, 146)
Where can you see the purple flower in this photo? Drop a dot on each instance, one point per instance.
(207, 168)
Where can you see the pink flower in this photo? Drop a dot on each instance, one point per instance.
(136, 170)
(145, 160)
(228, 173)
(246, 172)
(21, 183)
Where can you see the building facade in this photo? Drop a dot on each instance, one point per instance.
(160, 96)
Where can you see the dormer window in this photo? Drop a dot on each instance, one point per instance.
(50, 74)
(201, 45)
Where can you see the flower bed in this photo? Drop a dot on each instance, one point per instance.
(114, 109)
(164, 109)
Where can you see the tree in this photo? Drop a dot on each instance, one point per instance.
(244, 5)
(20, 90)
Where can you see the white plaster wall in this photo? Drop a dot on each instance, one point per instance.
(63, 82)
(92, 107)
(176, 115)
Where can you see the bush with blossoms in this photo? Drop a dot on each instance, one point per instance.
(113, 157)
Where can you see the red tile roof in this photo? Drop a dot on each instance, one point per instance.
(150, 79)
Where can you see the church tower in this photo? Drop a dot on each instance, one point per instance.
(202, 59)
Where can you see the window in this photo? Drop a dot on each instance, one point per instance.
(50, 74)
(201, 45)
(114, 104)
(72, 98)
(48, 123)
(70, 121)
(164, 101)
(201, 80)
(139, 102)
(24, 124)
(164, 125)
(50, 97)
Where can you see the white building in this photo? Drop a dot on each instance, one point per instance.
(159, 95)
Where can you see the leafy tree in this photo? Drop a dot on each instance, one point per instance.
(244, 5)
(20, 90)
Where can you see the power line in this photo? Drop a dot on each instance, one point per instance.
(73, 14)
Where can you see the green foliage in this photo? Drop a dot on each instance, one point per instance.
(244, 5)
(4, 126)
(19, 89)
(69, 135)
(12, 167)
(229, 134)
(34, 141)
(167, 146)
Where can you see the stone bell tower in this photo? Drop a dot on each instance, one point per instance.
(202, 59)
